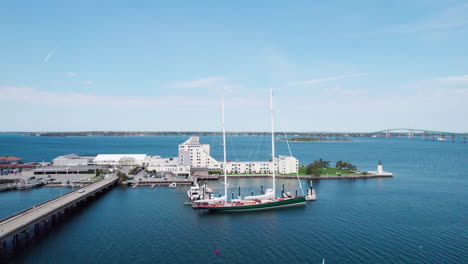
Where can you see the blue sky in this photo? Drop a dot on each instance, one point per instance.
(149, 65)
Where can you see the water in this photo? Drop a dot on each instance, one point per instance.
(419, 216)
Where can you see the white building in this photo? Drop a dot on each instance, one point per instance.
(156, 163)
(287, 164)
(71, 160)
(194, 154)
(120, 159)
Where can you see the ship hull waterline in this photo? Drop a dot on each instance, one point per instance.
(297, 201)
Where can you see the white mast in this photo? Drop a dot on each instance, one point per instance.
(272, 141)
(224, 149)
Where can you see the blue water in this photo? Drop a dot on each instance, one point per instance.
(419, 216)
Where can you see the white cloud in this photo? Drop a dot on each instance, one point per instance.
(199, 83)
(450, 18)
(49, 55)
(72, 74)
(441, 83)
(39, 97)
(88, 83)
(453, 79)
(327, 79)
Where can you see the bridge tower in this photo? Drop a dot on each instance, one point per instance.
(387, 134)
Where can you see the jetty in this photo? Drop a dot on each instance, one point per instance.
(311, 177)
(23, 221)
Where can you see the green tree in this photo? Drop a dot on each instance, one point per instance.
(339, 164)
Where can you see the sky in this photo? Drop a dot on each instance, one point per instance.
(164, 65)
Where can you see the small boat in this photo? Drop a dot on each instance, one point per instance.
(173, 185)
(195, 192)
(29, 184)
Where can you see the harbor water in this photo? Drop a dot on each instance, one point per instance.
(418, 216)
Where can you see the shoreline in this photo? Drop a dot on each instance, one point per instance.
(309, 177)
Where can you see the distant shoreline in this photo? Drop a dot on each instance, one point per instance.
(184, 133)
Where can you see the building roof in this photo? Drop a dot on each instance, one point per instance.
(8, 158)
(69, 156)
(64, 168)
(118, 157)
(192, 141)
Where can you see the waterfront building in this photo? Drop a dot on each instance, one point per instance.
(196, 155)
(9, 160)
(120, 159)
(53, 170)
(72, 160)
(158, 164)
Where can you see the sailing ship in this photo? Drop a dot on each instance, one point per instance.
(266, 200)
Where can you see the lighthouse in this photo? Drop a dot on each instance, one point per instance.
(379, 168)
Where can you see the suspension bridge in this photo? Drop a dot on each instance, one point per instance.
(424, 134)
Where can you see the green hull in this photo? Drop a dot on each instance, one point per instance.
(297, 201)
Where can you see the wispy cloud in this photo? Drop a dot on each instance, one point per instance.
(450, 18)
(441, 82)
(49, 55)
(199, 83)
(453, 79)
(327, 79)
(72, 74)
(88, 83)
(66, 99)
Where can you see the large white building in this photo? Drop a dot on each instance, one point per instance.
(71, 160)
(156, 163)
(196, 155)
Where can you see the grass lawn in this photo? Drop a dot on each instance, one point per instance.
(327, 171)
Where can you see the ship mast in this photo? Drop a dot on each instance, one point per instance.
(224, 149)
(272, 141)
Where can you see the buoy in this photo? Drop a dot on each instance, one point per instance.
(217, 252)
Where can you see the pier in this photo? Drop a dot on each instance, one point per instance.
(21, 222)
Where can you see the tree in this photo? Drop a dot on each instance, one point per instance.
(339, 164)
(315, 167)
(345, 165)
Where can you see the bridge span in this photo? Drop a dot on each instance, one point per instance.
(21, 222)
(424, 134)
